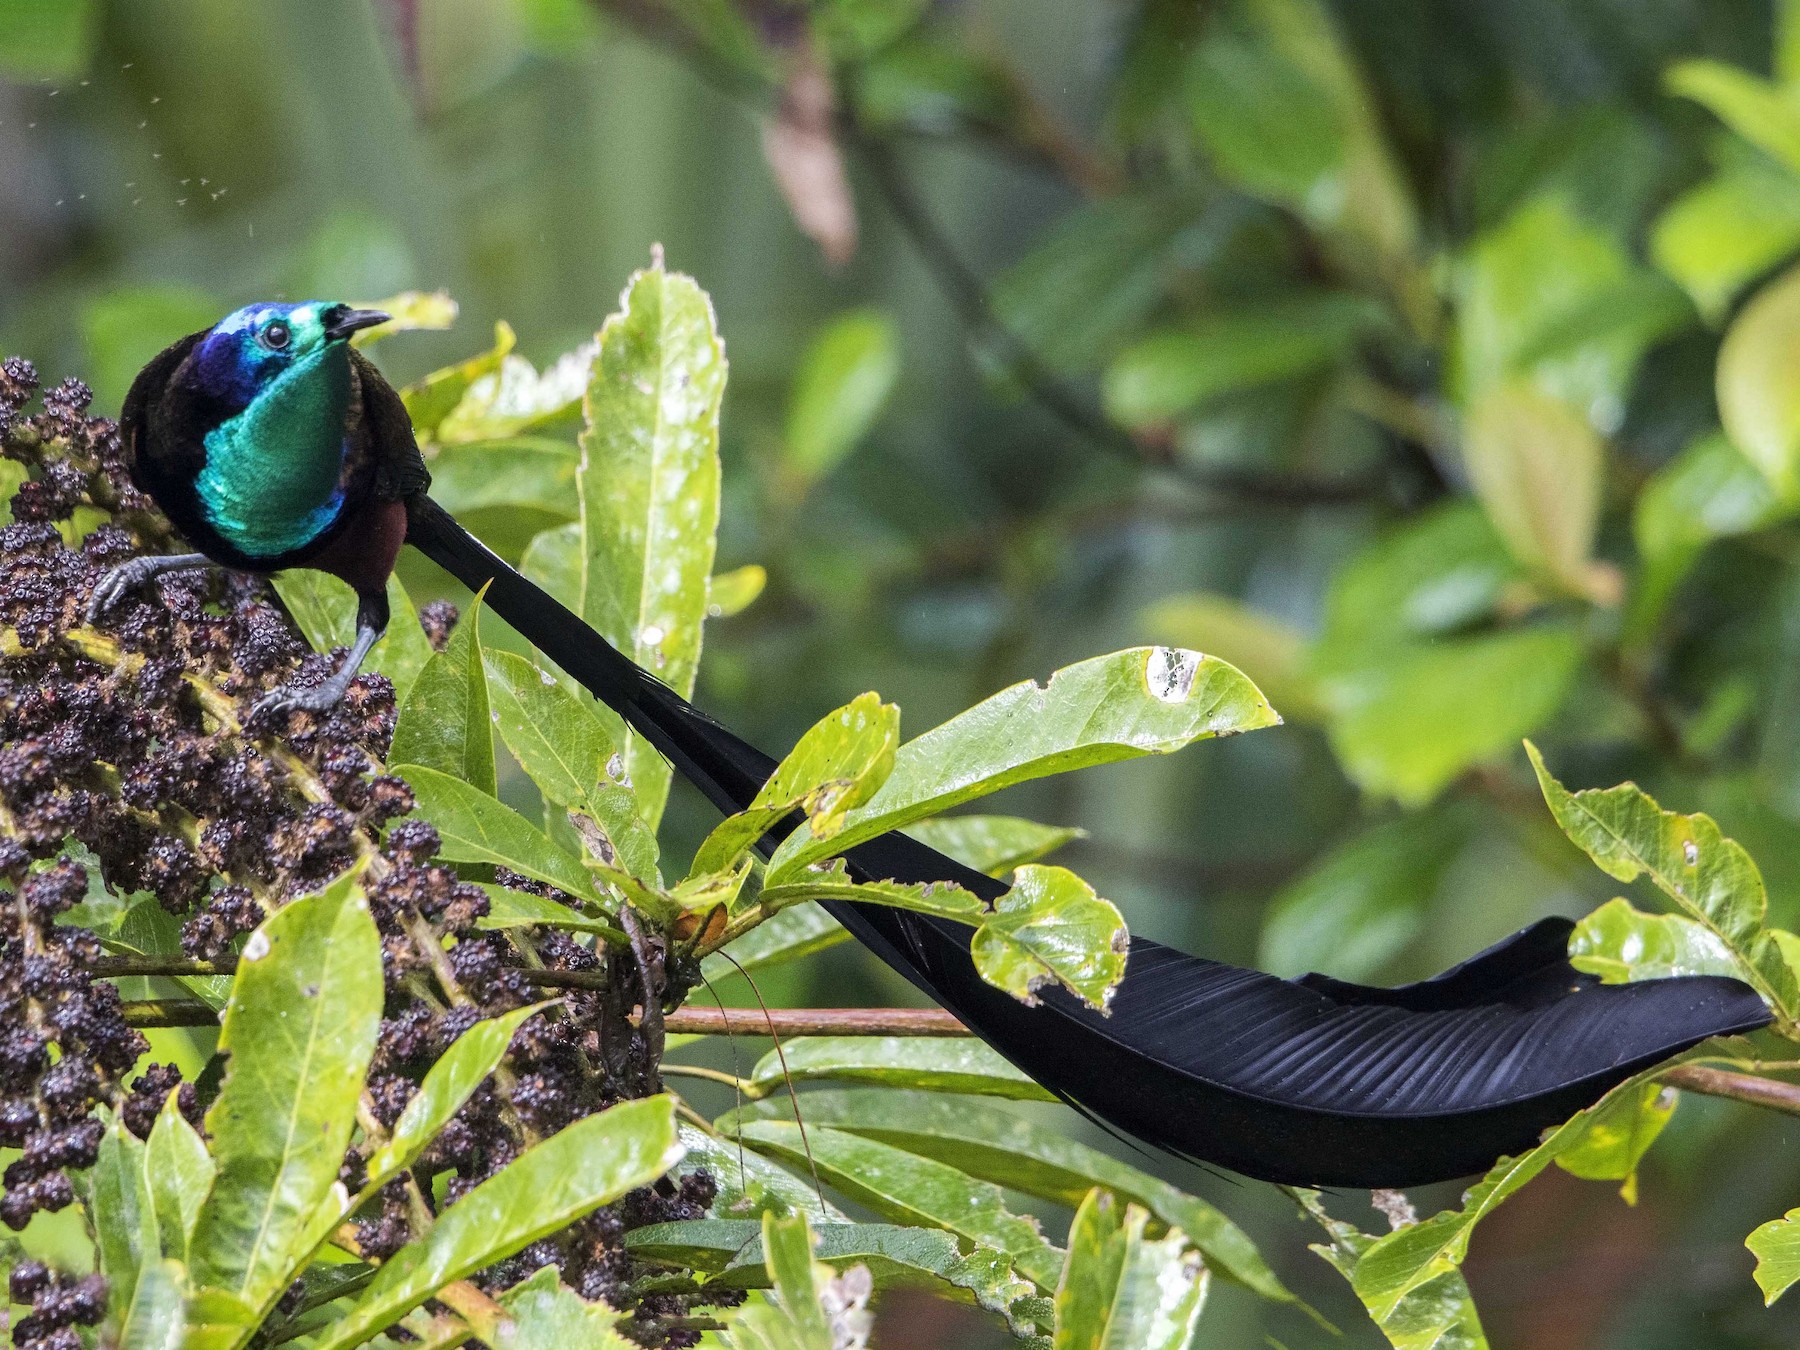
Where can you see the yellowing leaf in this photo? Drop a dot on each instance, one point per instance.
(1759, 383)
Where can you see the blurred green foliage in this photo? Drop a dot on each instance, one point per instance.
(1433, 362)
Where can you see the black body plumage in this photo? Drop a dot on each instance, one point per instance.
(1309, 1081)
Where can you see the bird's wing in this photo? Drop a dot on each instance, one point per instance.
(398, 469)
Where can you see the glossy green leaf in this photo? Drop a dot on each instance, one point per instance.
(1709, 876)
(846, 376)
(550, 1185)
(451, 1081)
(1437, 1314)
(1267, 650)
(1406, 724)
(508, 908)
(157, 1316)
(993, 844)
(797, 931)
(1620, 943)
(1776, 1247)
(1723, 234)
(178, 1174)
(1171, 371)
(145, 928)
(908, 1189)
(507, 491)
(300, 1030)
(733, 592)
(1013, 1151)
(937, 1064)
(1760, 112)
(794, 1318)
(429, 401)
(445, 722)
(125, 1228)
(544, 1314)
(649, 490)
(749, 1183)
(325, 609)
(1051, 928)
(1144, 700)
(1122, 1290)
(476, 828)
(1361, 903)
(834, 768)
(516, 398)
(1617, 1134)
(1758, 386)
(1537, 466)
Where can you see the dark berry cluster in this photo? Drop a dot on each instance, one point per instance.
(58, 1304)
(135, 743)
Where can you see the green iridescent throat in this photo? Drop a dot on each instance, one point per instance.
(272, 477)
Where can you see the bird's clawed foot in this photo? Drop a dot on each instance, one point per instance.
(320, 698)
(131, 574)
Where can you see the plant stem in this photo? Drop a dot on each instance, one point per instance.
(1739, 1087)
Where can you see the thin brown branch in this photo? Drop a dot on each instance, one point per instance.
(1739, 1087)
(694, 1021)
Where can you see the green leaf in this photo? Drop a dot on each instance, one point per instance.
(123, 1215)
(409, 312)
(1267, 650)
(178, 1173)
(649, 490)
(1051, 928)
(733, 592)
(547, 1187)
(568, 747)
(476, 828)
(325, 609)
(1762, 113)
(1537, 467)
(797, 931)
(835, 767)
(731, 1252)
(1709, 491)
(1171, 371)
(1275, 96)
(451, 1081)
(445, 723)
(1123, 1291)
(1437, 1314)
(794, 1319)
(1709, 876)
(508, 908)
(516, 398)
(1360, 904)
(1758, 387)
(543, 1314)
(1010, 1150)
(157, 1317)
(1617, 1134)
(1776, 1247)
(993, 844)
(749, 1183)
(846, 376)
(937, 1064)
(1723, 234)
(1141, 701)
(908, 1189)
(431, 399)
(1620, 943)
(507, 491)
(1550, 297)
(1406, 724)
(300, 1030)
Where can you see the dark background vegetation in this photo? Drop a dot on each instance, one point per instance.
(1070, 209)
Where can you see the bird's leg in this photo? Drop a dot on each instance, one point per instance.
(371, 623)
(111, 588)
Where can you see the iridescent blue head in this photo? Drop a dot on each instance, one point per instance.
(279, 380)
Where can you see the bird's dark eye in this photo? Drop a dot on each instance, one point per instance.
(276, 336)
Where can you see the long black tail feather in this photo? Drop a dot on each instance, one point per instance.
(1313, 1081)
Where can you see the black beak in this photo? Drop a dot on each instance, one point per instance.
(341, 321)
